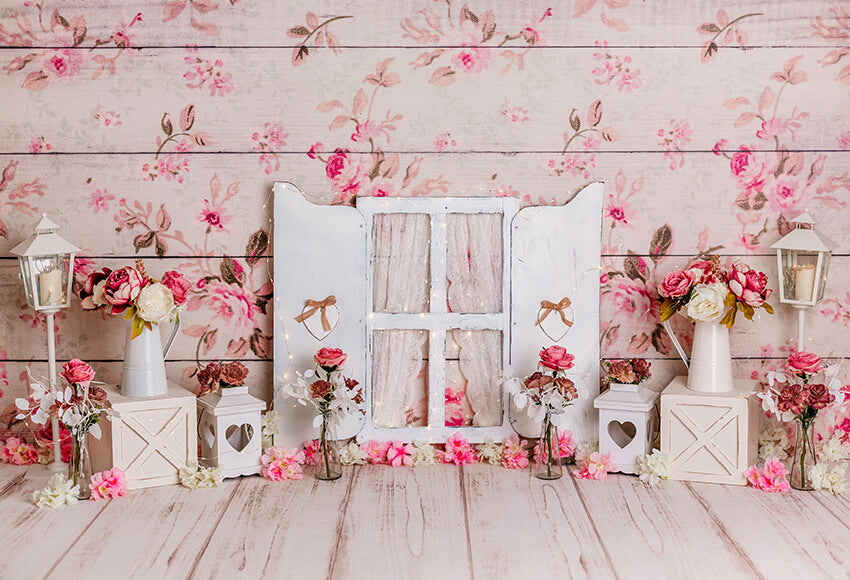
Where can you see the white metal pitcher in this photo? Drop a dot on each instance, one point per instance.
(144, 362)
(710, 368)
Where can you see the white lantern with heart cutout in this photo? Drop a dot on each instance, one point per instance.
(230, 431)
(627, 423)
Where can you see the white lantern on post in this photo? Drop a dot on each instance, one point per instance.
(47, 269)
(626, 423)
(803, 261)
(230, 430)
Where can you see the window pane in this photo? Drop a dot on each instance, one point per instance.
(474, 262)
(399, 378)
(401, 278)
(473, 372)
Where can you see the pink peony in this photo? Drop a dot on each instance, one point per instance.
(178, 284)
(232, 303)
(515, 455)
(311, 452)
(122, 287)
(556, 358)
(330, 358)
(18, 452)
(772, 479)
(399, 454)
(281, 463)
(376, 451)
(677, 284)
(76, 371)
(803, 363)
(595, 466)
(458, 451)
(749, 286)
(109, 484)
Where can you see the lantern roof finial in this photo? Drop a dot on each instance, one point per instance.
(804, 218)
(46, 225)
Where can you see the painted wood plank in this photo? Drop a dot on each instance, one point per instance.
(403, 522)
(24, 527)
(520, 527)
(272, 529)
(668, 23)
(787, 534)
(232, 115)
(528, 176)
(657, 526)
(165, 529)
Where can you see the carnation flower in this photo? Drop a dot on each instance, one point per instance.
(311, 452)
(233, 374)
(399, 454)
(18, 452)
(490, 451)
(351, 454)
(458, 451)
(59, 492)
(515, 455)
(109, 484)
(828, 477)
(282, 463)
(594, 466)
(423, 453)
(652, 467)
(376, 451)
(771, 479)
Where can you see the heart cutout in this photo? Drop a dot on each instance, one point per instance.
(313, 324)
(553, 326)
(622, 433)
(239, 436)
(208, 435)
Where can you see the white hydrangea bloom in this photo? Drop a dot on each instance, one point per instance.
(774, 442)
(585, 448)
(351, 454)
(833, 450)
(828, 477)
(491, 452)
(58, 492)
(200, 477)
(423, 453)
(652, 467)
(269, 422)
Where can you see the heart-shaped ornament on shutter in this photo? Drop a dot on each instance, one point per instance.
(319, 317)
(622, 433)
(239, 436)
(555, 319)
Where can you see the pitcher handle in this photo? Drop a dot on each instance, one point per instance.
(174, 328)
(669, 328)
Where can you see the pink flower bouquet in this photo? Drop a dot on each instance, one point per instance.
(707, 292)
(628, 371)
(132, 293)
(216, 375)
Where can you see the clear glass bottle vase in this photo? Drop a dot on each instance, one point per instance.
(79, 467)
(547, 463)
(805, 457)
(328, 465)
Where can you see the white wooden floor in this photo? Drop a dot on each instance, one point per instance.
(428, 522)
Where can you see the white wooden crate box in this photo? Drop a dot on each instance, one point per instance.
(150, 439)
(709, 437)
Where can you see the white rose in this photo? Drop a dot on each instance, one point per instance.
(155, 303)
(707, 301)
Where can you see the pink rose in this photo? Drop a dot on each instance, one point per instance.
(63, 63)
(785, 193)
(748, 168)
(749, 286)
(330, 358)
(122, 288)
(337, 163)
(556, 358)
(803, 363)
(472, 60)
(677, 283)
(76, 371)
(178, 284)
(231, 303)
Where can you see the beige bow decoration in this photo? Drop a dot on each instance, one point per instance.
(314, 306)
(546, 308)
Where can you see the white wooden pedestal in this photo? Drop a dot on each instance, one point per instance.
(150, 439)
(709, 437)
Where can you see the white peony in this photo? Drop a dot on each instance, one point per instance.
(58, 492)
(155, 303)
(830, 477)
(707, 301)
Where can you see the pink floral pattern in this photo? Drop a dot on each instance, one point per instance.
(12, 196)
(319, 33)
(723, 32)
(615, 70)
(207, 74)
(175, 164)
(673, 139)
(587, 138)
(837, 31)
(269, 141)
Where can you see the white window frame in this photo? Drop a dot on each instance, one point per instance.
(437, 320)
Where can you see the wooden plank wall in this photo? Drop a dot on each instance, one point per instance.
(156, 130)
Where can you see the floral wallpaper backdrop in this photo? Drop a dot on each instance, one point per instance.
(155, 130)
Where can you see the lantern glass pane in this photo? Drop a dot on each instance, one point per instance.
(798, 274)
(823, 273)
(25, 275)
(51, 279)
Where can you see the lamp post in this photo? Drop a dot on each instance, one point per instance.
(803, 261)
(47, 269)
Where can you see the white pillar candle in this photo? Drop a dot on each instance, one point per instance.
(50, 287)
(804, 283)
